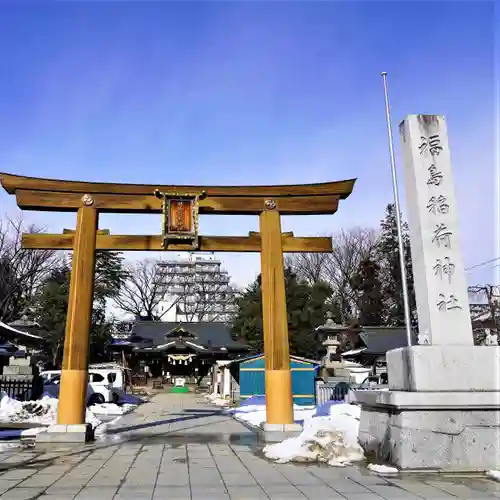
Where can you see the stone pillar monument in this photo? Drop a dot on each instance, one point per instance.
(442, 410)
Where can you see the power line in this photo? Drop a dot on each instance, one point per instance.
(483, 269)
(489, 267)
(483, 263)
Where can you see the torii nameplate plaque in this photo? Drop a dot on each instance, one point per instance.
(180, 218)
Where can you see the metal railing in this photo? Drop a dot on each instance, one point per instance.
(336, 391)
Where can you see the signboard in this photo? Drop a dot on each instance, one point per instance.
(440, 280)
(180, 382)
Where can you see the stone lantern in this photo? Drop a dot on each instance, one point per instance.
(19, 365)
(328, 335)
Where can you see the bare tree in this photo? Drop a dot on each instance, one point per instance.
(207, 297)
(485, 312)
(338, 268)
(310, 267)
(143, 290)
(22, 271)
(350, 248)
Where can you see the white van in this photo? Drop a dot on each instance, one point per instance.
(114, 374)
(105, 386)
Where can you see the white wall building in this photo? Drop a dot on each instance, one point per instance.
(195, 289)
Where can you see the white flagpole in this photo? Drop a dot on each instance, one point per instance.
(404, 283)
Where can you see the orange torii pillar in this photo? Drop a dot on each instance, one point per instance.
(279, 402)
(74, 379)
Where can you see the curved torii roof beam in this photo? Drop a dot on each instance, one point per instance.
(66, 196)
(11, 183)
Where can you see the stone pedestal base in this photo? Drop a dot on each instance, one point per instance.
(437, 431)
(442, 411)
(78, 434)
(275, 433)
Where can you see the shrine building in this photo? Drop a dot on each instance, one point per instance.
(177, 349)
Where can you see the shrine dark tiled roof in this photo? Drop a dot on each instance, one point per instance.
(379, 340)
(206, 333)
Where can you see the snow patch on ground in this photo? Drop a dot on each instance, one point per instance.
(382, 469)
(330, 432)
(44, 411)
(332, 439)
(494, 474)
(8, 445)
(215, 399)
(112, 409)
(103, 428)
(256, 414)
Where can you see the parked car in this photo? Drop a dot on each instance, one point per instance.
(371, 383)
(115, 377)
(99, 390)
(374, 382)
(114, 373)
(49, 374)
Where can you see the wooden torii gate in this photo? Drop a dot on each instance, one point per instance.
(180, 206)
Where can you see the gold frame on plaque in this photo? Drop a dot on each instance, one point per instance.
(182, 236)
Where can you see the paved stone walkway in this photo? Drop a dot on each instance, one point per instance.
(178, 448)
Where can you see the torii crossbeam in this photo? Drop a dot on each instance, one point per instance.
(180, 206)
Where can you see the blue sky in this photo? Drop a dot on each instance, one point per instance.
(247, 93)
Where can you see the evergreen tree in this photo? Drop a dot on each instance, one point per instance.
(109, 276)
(306, 308)
(51, 310)
(388, 256)
(247, 325)
(52, 305)
(369, 289)
(100, 334)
